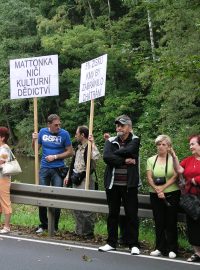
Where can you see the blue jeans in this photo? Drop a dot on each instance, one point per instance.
(49, 177)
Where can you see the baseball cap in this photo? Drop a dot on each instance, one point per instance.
(124, 120)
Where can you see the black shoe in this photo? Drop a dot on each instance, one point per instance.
(194, 258)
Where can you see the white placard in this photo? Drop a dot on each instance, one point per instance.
(93, 79)
(34, 77)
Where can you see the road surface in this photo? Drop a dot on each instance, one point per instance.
(18, 253)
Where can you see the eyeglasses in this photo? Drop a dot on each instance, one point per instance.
(56, 125)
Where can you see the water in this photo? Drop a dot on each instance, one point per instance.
(28, 170)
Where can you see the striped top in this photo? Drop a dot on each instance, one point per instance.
(120, 177)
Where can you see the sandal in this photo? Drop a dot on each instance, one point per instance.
(5, 230)
(194, 258)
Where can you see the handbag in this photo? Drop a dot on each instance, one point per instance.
(11, 167)
(62, 171)
(190, 203)
(77, 178)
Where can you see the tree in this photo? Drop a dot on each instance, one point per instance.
(172, 105)
(18, 39)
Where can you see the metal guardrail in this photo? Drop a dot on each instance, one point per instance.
(69, 198)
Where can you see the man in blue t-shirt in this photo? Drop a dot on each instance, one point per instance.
(56, 146)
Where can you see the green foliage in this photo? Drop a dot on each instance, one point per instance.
(18, 35)
(161, 96)
(172, 105)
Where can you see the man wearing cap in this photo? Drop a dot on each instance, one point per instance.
(121, 180)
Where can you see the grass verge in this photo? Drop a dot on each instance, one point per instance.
(27, 216)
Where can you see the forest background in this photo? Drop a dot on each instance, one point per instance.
(153, 72)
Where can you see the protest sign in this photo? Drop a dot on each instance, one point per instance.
(92, 86)
(93, 79)
(34, 77)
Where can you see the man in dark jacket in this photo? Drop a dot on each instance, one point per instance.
(121, 180)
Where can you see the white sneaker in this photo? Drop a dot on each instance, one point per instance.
(5, 230)
(172, 255)
(155, 253)
(39, 230)
(106, 248)
(135, 251)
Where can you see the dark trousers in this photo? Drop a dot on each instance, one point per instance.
(165, 218)
(129, 198)
(123, 230)
(49, 177)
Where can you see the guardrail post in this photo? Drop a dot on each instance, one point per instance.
(51, 221)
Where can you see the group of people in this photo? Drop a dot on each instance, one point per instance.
(121, 182)
(163, 172)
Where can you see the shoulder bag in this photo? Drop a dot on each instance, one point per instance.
(11, 167)
(190, 203)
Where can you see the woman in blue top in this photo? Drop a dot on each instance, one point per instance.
(164, 197)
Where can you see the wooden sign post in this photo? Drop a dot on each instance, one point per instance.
(89, 153)
(36, 141)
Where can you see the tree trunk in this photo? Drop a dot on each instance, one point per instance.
(91, 11)
(151, 36)
(109, 11)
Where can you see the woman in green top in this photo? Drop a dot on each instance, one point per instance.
(164, 197)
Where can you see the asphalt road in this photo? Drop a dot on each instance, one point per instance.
(30, 254)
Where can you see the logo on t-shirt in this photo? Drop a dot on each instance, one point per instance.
(52, 138)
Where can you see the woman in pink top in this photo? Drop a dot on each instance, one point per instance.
(190, 168)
